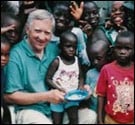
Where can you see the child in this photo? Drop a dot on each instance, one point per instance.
(114, 25)
(64, 74)
(98, 54)
(11, 27)
(90, 18)
(116, 84)
(5, 48)
(87, 16)
(64, 22)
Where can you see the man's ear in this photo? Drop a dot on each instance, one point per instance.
(27, 29)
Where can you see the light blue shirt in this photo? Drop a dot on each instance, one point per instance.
(81, 46)
(91, 79)
(26, 72)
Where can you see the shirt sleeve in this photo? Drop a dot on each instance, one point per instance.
(13, 75)
(102, 83)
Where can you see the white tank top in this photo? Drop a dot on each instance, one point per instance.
(67, 75)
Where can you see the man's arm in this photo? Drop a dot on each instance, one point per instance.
(24, 98)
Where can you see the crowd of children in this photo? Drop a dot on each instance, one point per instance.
(68, 47)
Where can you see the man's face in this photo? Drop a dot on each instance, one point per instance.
(39, 34)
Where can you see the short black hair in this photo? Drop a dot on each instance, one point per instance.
(127, 34)
(5, 40)
(66, 35)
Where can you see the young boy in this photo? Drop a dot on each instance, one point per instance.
(116, 84)
(65, 74)
(5, 49)
(11, 27)
(98, 54)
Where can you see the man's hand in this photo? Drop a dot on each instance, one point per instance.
(55, 96)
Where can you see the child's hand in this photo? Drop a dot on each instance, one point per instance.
(117, 25)
(86, 27)
(87, 88)
(108, 24)
(76, 11)
(7, 28)
(29, 6)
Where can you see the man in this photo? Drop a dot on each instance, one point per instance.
(27, 68)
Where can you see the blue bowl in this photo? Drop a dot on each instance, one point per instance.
(76, 95)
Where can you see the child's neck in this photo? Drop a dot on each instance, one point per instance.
(68, 61)
(125, 65)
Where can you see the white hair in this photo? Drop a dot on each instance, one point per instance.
(40, 14)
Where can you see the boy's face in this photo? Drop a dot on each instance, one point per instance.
(62, 17)
(13, 35)
(98, 59)
(91, 14)
(97, 53)
(5, 49)
(124, 50)
(68, 48)
(117, 13)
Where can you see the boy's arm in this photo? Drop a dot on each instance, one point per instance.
(7, 28)
(76, 11)
(50, 73)
(81, 77)
(101, 100)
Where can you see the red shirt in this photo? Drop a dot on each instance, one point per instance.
(117, 84)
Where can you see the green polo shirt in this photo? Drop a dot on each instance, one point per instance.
(26, 72)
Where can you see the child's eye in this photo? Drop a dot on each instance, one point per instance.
(87, 15)
(118, 47)
(69, 46)
(114, 10)
(5, 54)
(95, 12)
(128, 48)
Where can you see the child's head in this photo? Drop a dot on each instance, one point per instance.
(63, 17)
(124, 48)
(98, 53)
(91, 13)
(68, 45)
(5, 49)
(10, 19)
(117, 13)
